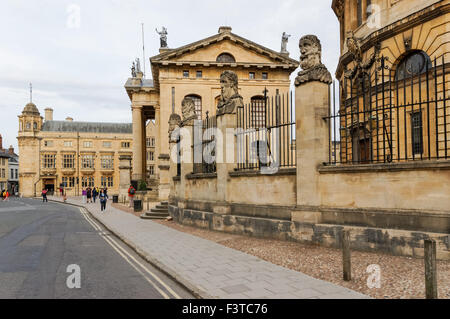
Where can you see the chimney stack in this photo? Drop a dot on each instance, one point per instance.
(48, 114)
(69, 119)
(11, 150)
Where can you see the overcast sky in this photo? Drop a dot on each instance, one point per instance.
(78, 66)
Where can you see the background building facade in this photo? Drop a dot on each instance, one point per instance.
(74, 155)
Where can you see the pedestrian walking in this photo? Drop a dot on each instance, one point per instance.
(6, 196)
(103, 197)
(83, 195)
(44, 196)
(94, 193)
(89, 195)
(131, 193)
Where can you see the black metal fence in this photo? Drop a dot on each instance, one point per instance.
(205, 146)
(266, 133)
(392, 115)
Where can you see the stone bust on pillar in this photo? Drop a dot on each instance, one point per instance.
(174, 123)
(229, 98)
(311, 62)
(188, 111)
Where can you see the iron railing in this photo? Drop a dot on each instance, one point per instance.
(266, 134)
(386, 118)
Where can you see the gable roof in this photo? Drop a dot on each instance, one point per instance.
(279, 60)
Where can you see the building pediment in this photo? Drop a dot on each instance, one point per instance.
(206, 51)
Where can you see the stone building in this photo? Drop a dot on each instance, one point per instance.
(394, 80)
(3, 171)
(193, 70)
(71, 154)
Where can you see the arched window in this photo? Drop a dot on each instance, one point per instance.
(413, 64)
(198, 104)
(258, 111)
(28, 126)
(225, 57)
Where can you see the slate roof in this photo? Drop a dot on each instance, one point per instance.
(87, 127)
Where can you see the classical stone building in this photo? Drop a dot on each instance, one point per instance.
(193, 71)
(70, 154)
(394, 80)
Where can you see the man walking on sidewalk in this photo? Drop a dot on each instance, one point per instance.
(44, 196)
(131, 193)
(103, 197)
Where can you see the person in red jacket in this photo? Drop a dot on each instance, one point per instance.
(131, 193)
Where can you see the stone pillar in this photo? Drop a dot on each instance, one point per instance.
(225, 162)
(311, 106)
(124, 176)
(137, 143)
(187, 158)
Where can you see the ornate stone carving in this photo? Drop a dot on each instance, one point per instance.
(310, 62)
(354, 48)
(188, 110)
(284, 41)
(162, 37)
(174, 123)
(230, 98)
(339, 9)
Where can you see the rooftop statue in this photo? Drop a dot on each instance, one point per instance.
(162, 37)
(284, 41)
(230, 98)
(133, 70)
(311, 62)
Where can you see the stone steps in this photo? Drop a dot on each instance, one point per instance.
(161, 211)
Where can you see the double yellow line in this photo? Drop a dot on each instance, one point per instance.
(132, 261)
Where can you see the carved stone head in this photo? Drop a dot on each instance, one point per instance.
(228, 84)
(188, 110)
(311, 52)
(174, 122)
(230, 98)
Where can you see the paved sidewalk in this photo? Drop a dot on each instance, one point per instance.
(209, 269)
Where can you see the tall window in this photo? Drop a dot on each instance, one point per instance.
(107, 161)
(48, 160)
(87, 181)
(151, 170)
(251, 75)
(150, 142)
(107, 181)
(258, 113)
(68, 161)
(413, 64)
(226, 58)
(68, 181)
(87, 161)
(416, 136)
(198, 105)
(150, 156)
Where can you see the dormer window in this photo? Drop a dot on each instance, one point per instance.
(226, 58)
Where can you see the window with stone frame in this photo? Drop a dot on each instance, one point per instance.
(48, 161)
(67, 143)
(68, 161)
(225, 58)
(412, 65)
(125, 144)
(107, 161)
(68, 181)
(87, 144)
(251, 75)
(87, 181)
(87, 161)
(151, 169)
(107, 181)
(258, 112)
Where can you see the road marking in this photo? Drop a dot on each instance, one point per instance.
(127, 256)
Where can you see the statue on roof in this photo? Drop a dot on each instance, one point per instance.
(284, 41)
(133, 70)
(138, 66)
(162, 37)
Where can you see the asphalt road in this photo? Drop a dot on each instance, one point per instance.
(45, 246)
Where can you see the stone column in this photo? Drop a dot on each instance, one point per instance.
(311, 106)
(137, 143)
(187, 159)
(124, 176)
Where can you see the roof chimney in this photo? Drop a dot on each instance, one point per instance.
(224, 29)
(48, 114)
(69, 119)
(11, 150)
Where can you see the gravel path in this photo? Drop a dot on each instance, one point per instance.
(401, 277)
